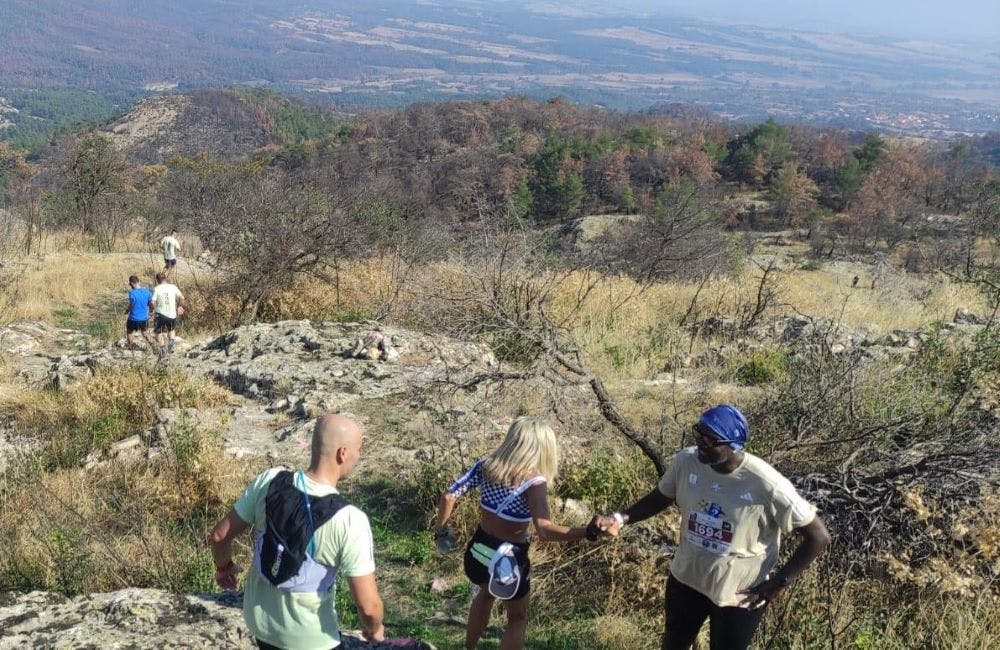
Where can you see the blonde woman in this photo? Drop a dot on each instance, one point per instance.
(513, 483)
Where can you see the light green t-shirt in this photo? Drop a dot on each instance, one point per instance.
(304, 621)
(165, 297)
(731, 524)
(170, 247)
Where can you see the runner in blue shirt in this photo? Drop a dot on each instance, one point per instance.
(138, 312)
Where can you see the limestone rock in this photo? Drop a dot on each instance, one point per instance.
(303, 368)
(133, 618)
(966, 317)
(25, 337)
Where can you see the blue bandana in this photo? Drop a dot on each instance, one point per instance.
(728, 424)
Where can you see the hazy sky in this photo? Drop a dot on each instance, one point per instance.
(949, 19)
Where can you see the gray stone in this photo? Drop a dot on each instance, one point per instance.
(26, 337)
(965, 317)
(133, 618)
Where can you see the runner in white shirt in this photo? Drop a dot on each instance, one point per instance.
(170, 247)
(168, 304)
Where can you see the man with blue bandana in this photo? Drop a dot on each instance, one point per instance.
(734, 510)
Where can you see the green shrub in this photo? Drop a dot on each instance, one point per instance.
(761, 367)
(607, 479)
(510, 346)
(621, 356)
(812, 264)
(66, 317)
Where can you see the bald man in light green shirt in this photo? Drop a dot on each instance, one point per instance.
(279, 618)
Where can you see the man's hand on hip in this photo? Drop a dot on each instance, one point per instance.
(764, 593)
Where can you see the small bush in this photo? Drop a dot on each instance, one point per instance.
(140, 523)
(812, 264)
(761, 367)
(510, 346)
(607, 479)
(66, 317)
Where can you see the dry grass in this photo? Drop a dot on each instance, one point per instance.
(621, 632)
(71, 281)
(899, 300)
(869, 614)
(129, 523)
(69, 240)
(97, 526)
(114, 404)
(625, 338)
(88, 292)
(607, 320)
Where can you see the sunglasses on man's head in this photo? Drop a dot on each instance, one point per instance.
(706, 438)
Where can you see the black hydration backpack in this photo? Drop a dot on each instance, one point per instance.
(288, 532)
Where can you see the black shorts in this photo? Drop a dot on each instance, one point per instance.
(136, 325)
(478, 574)
(162, 324)
(730, 628)
(170, 263)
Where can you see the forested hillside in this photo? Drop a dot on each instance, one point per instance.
(453, 168)
(461, 164)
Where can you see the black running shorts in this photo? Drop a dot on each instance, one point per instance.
(479, 574)
(136, 325)
(162, 324)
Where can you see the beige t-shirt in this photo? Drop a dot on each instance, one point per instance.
(165, 299)
(731, 524)
(305, 621)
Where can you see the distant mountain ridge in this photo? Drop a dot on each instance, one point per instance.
(392, 52)
(216, 122)
(224, 123)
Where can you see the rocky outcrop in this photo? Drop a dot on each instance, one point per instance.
(580, 235)
(26, 337)
(798, 333)
(303, 362)
(304, 368)
(133, 618)
(291, 371)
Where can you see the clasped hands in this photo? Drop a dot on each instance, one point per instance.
(603, 526)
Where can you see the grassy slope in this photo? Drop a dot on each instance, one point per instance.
(81, 291)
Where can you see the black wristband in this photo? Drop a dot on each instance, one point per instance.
(593, 532)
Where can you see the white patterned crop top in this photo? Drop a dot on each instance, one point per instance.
(505, 501)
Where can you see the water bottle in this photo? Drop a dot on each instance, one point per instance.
(445, 540)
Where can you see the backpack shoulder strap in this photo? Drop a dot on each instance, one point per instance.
(283, 480)
(324, 508)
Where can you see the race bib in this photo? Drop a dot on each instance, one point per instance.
(713, 534)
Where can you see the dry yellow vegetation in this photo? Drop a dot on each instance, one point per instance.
(625, 335)
(376, 287)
